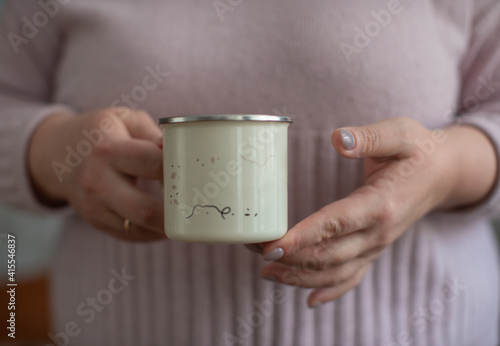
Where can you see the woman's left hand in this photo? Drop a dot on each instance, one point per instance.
(409, 170)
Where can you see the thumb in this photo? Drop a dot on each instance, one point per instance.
(387, 138)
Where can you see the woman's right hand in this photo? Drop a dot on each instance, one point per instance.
(92, 161)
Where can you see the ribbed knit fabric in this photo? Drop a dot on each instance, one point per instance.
(437, 284)
(441, 289)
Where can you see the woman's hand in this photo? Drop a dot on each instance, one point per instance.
(409, 171)
(92, 161)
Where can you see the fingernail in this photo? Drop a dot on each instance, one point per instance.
(254, 248)
(347, 139)
(270, 278)
(274, 255)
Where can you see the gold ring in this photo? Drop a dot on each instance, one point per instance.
(126, 225)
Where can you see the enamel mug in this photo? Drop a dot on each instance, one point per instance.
(225, 177)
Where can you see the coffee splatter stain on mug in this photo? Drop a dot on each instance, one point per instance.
(248, 213)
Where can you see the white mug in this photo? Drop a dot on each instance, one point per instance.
(225, 178)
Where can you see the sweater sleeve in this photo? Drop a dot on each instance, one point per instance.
(480, 95)
(29, 49)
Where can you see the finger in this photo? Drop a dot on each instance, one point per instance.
(138, 158)
(312, 279)
(140, 125)
(392, 137)
(254, 248)
(141, 208)
(356, 212)
(323, 295)
(113, 224)
(101, 217)
(331, 252)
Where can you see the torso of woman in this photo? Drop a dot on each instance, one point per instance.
(324, 63)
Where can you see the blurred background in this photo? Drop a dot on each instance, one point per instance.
(36, 242)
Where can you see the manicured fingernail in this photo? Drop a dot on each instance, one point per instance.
(254, 248)
(347, 139)
(269, 277)
(274, 255)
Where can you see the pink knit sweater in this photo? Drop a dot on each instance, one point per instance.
(325, 63)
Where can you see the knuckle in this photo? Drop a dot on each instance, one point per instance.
(136, 114)
(403, 123)
(290, 277)
(322, 251)
(331, 227)
(334, 277)
(332, 257)
(387, 212)
(101, 122)
(321, 266)
(110, 111)
(405, 129)
(142, 114)
(404, 126)
(88, 181)
(295, 243)
(119, 112)
(370, 139)
(103, 149)
(340, 257)
(311, 263)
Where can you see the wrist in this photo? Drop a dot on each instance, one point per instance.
(471, 168)
(44, 149)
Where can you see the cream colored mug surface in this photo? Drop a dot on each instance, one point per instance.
(225, 181)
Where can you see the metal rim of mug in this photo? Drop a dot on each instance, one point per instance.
(222, 117)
